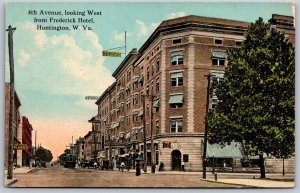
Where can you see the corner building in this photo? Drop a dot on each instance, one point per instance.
(170, 70)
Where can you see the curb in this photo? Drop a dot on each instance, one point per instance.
(12, 182)
(231, 183)
(32, 170)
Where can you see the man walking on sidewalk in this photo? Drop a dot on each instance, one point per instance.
(182, 166)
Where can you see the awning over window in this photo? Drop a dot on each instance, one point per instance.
(234, 150)
(256, 156)
(128, 135)
(135, 80)
(176, 75)
(218, 53)
(115, 125)
(121, 134)
(127, 87)
(156, 103)
(176, 99)
(218, 74)
(141, 79)
(177, 53)
(141, 113)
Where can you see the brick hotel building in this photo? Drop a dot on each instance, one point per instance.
(170, 70)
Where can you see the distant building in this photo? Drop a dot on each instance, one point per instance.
(170, 70)
(26, 141)
(17, 154)
(88, 147)
(79, 149)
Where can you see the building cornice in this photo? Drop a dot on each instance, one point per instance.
(200, 23)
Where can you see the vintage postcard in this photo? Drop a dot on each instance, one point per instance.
(150, 95)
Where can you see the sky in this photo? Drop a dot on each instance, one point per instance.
(55, 70)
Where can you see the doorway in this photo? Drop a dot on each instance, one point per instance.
(176, 160)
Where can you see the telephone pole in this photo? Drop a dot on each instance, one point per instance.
(12, 102)
(206, 126)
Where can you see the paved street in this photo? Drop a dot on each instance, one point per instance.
(78, 177)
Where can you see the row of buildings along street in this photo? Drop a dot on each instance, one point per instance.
(156, 107)
(22, 133)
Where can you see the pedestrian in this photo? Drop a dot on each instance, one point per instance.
(138, 169)
(182, 166)
(95, 165)
(122, 166)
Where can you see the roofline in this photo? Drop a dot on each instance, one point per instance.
(105, 92)
(16, 95)
(126, 59)
(191, 19)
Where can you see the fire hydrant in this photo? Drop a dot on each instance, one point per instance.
(216, 176)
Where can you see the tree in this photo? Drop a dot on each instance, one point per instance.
(43, 155)
(257, 98)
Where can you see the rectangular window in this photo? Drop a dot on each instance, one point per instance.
(176, 79)
(218, 41)
(218, 61)
(142, 136)
(142, 95)
(176, 125)
(157, 65)
(177, 41)
(152, 70)
(148, 73)
(218, 77)
(147, 90)
(176, 58)
(214, 102)
(157, 127)
(238, 43)
(136, 134)
(157, 85)
(152, 87)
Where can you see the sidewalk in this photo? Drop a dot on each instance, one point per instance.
(21, 170)
(256, 183)
(244, 179)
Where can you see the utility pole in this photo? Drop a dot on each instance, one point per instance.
(144, 133)
(12, 102)
(151, 128)
(206, 126)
